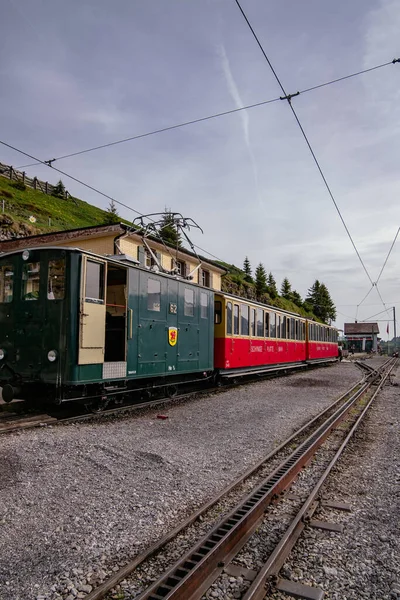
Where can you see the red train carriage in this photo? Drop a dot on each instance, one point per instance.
(253, 338)
(321, 342)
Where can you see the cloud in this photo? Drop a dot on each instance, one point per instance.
(244, 115)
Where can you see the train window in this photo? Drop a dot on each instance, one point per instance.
(153, 294)
(297, 332)
(236, 319)
(253, 321)
(278, 326)
(94, 285)
(56, 279)
(31, 281)
(189, 303)
(203, 305)
(244, 319)
(272, 325)
(283, 327)
(229, 318)
(217, 312)
(292, 332)
(260, 323)
(6, 283)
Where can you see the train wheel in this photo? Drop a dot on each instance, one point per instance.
(171, 391)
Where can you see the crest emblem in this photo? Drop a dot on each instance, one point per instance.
(172, 335)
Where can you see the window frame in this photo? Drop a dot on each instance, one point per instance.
(3, 270)
(26, 278)
(203, 295)
(243, 319)
(236, 319)
(64, 279)
(187, 304)
(153, 293)
(229, 318)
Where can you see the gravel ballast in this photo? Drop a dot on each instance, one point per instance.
(363, 562)
(76, 502)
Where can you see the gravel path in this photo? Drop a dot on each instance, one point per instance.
(77, 502)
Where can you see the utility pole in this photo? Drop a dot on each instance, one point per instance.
(394, 328)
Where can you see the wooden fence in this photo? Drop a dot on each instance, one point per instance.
(43, 186)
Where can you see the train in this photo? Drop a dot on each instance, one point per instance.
(80, 327)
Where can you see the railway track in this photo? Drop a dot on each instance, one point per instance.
(11, 422)
(210, 546)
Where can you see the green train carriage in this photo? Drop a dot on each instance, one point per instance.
(78, 326)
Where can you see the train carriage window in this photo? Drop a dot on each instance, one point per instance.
(253, 322)
(272, 325)
(6, 284)
(278, 326)
(244, 319)
(31, 281)
(189, 303)
(153, 294)
(56, 279)
(297, 330)
(217, 312)
(94, 285)
(283, 327)
(260, 322)
(203, 305)
(236, 319)
(229, 318)
(292, 333)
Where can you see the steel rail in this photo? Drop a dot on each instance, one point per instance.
(272, 566)
(193, 574)
(99, 592)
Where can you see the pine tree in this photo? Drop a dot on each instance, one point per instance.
(59, 190)
(247, 270)
(168, 230)
(261, 281)
(286, 289)
(112, 216)
(321, 302)
(296, 298)
(271, 286)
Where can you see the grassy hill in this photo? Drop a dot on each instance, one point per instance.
(51, 213)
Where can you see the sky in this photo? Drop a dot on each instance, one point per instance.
(78, 74)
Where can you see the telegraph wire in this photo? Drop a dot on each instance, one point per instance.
(288, 98)
(90, 187)
(316, 87)
(156, 131)
(214, 116)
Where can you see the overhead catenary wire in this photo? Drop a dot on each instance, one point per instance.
(209, 117)
(387, 258)
(288, 98)
(90, 187)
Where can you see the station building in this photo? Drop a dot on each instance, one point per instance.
(121, 239)
(361, 337)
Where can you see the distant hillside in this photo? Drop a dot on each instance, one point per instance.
(49, 213)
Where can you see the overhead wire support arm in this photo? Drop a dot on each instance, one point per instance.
(289, 97)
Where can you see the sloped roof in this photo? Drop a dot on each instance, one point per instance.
(360, 328)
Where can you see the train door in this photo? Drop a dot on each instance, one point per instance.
(92, 311)
(116, 323)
